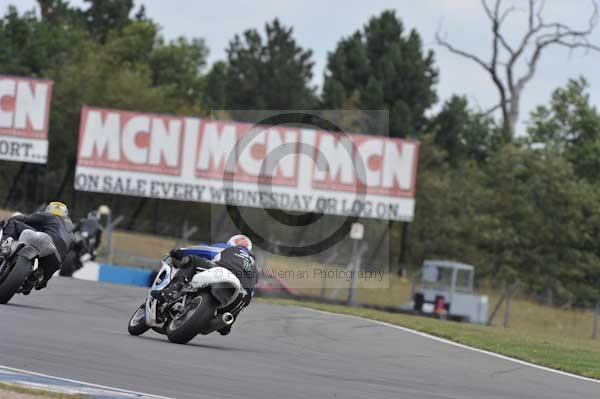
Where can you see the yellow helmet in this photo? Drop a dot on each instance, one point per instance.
(57, 209)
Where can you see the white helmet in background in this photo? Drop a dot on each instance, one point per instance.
(240, 240)
(16, 214)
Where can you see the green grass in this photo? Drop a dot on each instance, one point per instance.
(574, 355)
(38, 392)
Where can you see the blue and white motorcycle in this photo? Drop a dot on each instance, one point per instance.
(197, 310)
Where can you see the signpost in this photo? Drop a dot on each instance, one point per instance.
(357, 232)
(104, 210)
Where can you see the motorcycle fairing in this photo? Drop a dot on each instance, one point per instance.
(224, 285)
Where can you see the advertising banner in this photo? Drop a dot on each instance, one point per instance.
(224, 162)
(24, 117)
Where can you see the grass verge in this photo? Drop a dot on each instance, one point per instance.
(38, 392)
(577, 356)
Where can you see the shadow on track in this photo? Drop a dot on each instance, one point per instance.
(198, 345)
(21, 305)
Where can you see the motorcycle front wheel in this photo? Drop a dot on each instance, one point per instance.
(13, 276)
(200, 310)
(137, 323)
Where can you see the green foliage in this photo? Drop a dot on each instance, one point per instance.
(262, 74)
(29, 46)
(104, 16)
(215, 87)
(522, 216)
(449, 219)
(464, 134)
(177, 66)
(570, 126)
(381, 67)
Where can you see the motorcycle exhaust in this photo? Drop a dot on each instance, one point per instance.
(227, 318)
(217, 323)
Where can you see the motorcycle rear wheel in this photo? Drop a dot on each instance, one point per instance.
(14, 278)
(184, 328)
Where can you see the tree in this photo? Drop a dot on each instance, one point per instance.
(541, 228)
(103, 76)
(215, 87)
(29, 46)
(570, 126)
(449, 216)
(102, 16)
(178, 66)
(507, 59)
(382, 67)
(462, 133)
(273, 73)
(59, 11)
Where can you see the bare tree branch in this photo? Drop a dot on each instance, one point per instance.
(539, 35)
(442, 42)
(563, 36)
(495, 52)
(491, 110)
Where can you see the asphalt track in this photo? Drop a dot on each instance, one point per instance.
(77, 330)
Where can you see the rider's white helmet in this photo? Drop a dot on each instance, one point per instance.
(240, 240)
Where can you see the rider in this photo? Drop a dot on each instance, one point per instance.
(91, 226)
(237, 257)
(55, 222)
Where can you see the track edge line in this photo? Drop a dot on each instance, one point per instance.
(125, 391)
(457, 344)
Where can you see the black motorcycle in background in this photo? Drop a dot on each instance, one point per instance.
(20, 267)
(87, 237)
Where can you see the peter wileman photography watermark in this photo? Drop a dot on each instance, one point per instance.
(296, 182)
(321, 273)
(316, 273)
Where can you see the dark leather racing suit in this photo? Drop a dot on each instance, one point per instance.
(59, 229)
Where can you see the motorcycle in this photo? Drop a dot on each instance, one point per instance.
(81, 251)
(19, 262)
(195, 311)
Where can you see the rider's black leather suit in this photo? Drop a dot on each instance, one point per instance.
(59, 229)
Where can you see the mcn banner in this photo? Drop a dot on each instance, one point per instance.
(204, 160)
(24, 115)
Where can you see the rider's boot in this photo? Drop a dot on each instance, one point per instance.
(32, 282)
(41, 283)
(226, 330)
(6, 246)
(48, 271)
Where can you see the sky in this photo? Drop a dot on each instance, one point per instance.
(319, 25)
